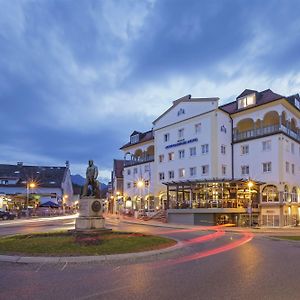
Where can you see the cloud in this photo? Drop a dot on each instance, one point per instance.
(77, 77)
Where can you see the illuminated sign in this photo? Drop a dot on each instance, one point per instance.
(182, 143)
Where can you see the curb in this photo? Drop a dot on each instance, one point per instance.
(85, 259)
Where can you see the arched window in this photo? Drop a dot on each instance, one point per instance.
(270, 194)
(294, 194)
(287, 197)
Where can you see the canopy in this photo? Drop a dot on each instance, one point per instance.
(50, 204)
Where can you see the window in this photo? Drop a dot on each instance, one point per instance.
(167, 137)
(223, 170)
(244, 149)
(245, 170)
(146, 183)
(293, 148)
(297, 103)
(267, 167)
(128, 185)
(266, 145)
(246, 101)
(204, 169)
(204, 148)
(181, 133)
(181, 154)
(134, 184)
(181, 172)
(223, 149)
(161, 176)
(287, 146)
(193, 171)
(171, 155)
(4, 181)
(128, 171)
(147, 168)
(171, 174)
(134, 139)
(161, 158)
(193, 151)
(135, 171)
(287, 167)
(293, 169)
(198, 128)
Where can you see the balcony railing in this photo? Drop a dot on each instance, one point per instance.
(141, 160)
(253, 133)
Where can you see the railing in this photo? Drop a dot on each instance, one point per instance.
(238, 136)
(141, 160)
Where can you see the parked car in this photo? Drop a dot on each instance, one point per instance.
(6, 215)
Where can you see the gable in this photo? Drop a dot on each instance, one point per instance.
(185, 109)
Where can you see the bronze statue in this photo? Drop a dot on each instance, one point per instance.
(91, 179)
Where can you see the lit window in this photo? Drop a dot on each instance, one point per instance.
(181, 172)
(193, 151)
(267, 167)
(266, 145)
(171, 174)
(246, 101)
(181, 154)
(161, 176)
(245, 170)
(171, 155)
(205, 169)
(223, 149)
(204, 148)
(198, 128)
(181, 133)
(161, 158)
(244, 149)
(193, 171)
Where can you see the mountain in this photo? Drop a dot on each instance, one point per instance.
(79, 180)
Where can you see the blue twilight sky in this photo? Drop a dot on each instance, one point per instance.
(77, 77)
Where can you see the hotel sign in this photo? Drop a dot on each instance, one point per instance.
(182, 143)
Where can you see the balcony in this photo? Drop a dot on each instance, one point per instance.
(139, 160)
(255, 133)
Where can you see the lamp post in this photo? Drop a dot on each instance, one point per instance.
(65, 197)
(29, 185)
(250, 185)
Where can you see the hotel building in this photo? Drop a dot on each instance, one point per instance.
(211, 164)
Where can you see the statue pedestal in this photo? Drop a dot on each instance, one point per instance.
(90, 218)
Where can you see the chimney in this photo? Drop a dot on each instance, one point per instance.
(20, 164)
(67, 164)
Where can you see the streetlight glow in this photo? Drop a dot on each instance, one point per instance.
(32, 185)
(250, 184)
(140, 183)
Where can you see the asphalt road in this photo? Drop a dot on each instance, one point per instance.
(212, 265)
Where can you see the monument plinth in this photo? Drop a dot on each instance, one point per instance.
(90, 218)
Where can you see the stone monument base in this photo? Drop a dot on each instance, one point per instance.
(90, 220)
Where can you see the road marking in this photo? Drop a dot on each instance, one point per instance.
(39, 267)
(64, 266)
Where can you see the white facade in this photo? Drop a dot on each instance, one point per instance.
(255, 138)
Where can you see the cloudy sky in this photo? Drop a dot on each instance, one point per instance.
(77, 77)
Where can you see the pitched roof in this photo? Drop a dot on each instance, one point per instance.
(263, 97)
(144, 137)
(43, 176)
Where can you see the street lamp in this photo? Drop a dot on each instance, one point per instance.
(30, 185)
(250, 185)
(65, 197)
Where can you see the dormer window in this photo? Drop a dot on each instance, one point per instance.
(246, 101)
(297, 103)
(134, 139)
